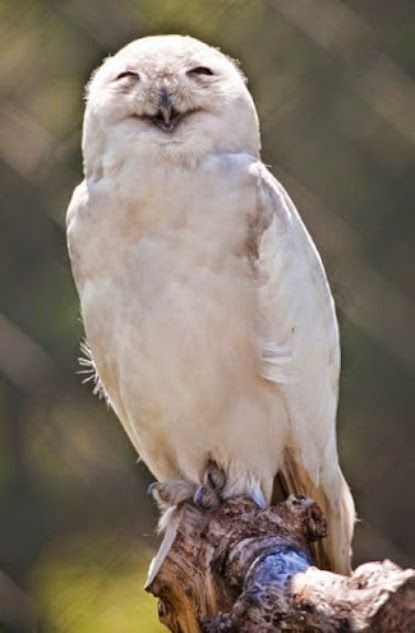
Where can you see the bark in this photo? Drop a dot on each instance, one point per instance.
(239, 568)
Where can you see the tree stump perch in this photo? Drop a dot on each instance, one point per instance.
(242, 569)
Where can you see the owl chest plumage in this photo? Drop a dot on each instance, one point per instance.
(169, 306)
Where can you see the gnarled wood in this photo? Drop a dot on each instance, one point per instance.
(243, 569)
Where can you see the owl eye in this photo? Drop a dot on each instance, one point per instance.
(200, 70)
(128, 73)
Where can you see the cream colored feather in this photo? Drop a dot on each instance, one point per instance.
(205, 303)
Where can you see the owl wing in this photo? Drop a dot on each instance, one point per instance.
(298, 335)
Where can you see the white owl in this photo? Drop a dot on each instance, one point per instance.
(205, 303)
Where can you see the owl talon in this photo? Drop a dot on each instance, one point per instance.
(171, 493)
(214, 477)
(209, 495)
(206, 498)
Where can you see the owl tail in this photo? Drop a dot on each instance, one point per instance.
(335, 500)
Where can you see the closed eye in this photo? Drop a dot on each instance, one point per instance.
(200, 70)
(128, 73)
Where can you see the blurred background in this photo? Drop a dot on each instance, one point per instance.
(333, 81)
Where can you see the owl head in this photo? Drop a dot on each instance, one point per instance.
(167, 96)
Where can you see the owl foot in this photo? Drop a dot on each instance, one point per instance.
(206, 496)
(214, 476)
(171, 493)
(209, 495)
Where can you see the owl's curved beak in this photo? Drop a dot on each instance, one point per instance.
(165, 105)
(167, 117)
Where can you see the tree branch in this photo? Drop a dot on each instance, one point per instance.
(241, 569)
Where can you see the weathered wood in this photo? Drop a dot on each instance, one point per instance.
(239, 568)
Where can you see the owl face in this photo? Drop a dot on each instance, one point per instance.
(172, 90)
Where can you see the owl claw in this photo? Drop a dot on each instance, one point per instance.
(206, 498)
(209, 495)
(214, 477)
(171, 493)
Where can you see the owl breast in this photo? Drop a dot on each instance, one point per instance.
(170, 315)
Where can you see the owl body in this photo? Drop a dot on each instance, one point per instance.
(205, 303)
(170, 316)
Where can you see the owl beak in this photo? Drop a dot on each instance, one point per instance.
(165, 105)
(167, 117)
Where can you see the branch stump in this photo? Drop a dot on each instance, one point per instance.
(242, 569)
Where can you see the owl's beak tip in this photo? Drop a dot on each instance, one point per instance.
(166, 107)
